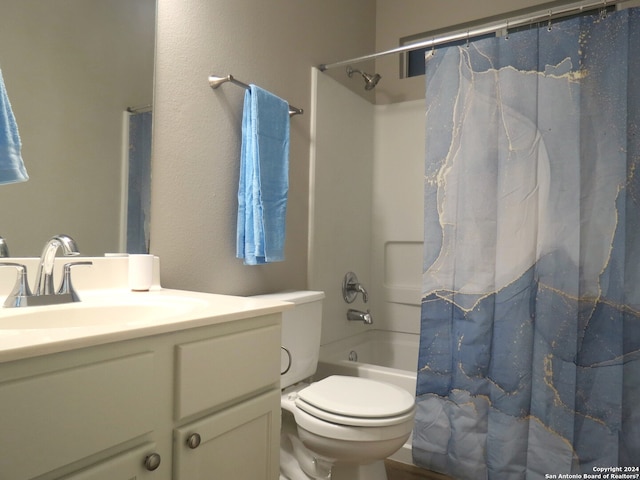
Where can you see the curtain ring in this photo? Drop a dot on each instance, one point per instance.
(603, 11)
(506, 37)
(549, 23)
(467, 38)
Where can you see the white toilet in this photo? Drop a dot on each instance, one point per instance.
(339, 428)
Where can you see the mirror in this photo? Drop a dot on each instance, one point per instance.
(71, 68)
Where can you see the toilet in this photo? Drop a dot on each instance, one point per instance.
(340, 427)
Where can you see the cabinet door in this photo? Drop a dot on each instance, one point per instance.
(51, 421)
(240, 443)
(218, 370)
(137, 464)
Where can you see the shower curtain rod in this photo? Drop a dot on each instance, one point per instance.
(140, 109)
(462, 34)
(215, 82)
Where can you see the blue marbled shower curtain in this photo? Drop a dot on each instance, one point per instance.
(530, 330)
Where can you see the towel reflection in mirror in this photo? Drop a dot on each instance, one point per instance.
(12, 169)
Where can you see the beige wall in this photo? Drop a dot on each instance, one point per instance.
(273, 43)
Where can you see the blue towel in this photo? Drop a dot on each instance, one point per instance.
(11, 165)
(264, 178)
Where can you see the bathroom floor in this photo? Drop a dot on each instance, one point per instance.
(402, 471)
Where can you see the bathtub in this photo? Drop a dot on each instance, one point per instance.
(377, 354)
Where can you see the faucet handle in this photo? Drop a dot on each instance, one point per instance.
(4, 248)
(21, 291)
(351, 287)
(66, 287)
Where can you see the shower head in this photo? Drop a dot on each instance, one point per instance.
(370, 81)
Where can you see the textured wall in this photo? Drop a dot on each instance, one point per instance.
(273, 43)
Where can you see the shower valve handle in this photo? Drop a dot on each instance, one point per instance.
(351, 287)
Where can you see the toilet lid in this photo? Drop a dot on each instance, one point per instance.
(355, 397)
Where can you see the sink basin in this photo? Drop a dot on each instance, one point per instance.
(125, 311)
(107, 315)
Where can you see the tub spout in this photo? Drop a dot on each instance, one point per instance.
(359, 316)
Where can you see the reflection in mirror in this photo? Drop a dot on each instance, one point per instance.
(71, 69)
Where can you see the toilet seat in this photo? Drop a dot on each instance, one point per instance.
(355, 401)
(353, 421)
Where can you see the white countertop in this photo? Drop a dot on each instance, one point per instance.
(22, 341)
(115, 313)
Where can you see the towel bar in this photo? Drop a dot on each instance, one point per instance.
(215, 82)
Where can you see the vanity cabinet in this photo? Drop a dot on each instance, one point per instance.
(62, 412)
(135, 464)
(231, 444)
(129, 409)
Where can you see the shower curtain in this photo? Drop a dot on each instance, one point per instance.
(139, 182)
(529, 359)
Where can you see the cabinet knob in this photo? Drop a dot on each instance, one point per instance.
(193, 440)
(152, 461)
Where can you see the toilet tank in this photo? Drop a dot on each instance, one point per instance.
(300, 339)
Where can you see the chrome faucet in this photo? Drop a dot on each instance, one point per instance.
(44, 277)
(44, 293)
(360, 316)
(351, 287)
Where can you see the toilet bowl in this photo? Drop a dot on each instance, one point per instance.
(350, 421)
(338, 428)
